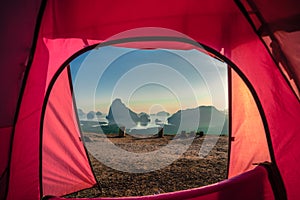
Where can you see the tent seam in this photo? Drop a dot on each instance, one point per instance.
(79, 128)
(259, 106)
(245, 13)
(22, 90)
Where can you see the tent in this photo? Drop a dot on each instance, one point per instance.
(40, 148)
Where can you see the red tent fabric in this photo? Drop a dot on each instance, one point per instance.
(38, 37)
(251, 185)
(65, 166)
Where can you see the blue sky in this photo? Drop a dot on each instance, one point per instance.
(148, 80)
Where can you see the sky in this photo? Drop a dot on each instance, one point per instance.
(149, 80)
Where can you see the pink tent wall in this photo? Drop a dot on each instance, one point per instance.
(68, 26)
(65, 167)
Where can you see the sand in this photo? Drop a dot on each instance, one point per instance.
(188, 170)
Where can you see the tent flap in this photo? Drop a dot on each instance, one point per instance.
(64, 160)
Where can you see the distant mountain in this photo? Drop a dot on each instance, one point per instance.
(163, 113)
(199, 118)
(144, 118)
(90, 115)
(143, 114)
(121, 115)
(195, 119)
(80, 113)
(98, 113)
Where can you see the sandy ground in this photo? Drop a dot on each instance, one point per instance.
(146, 166)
